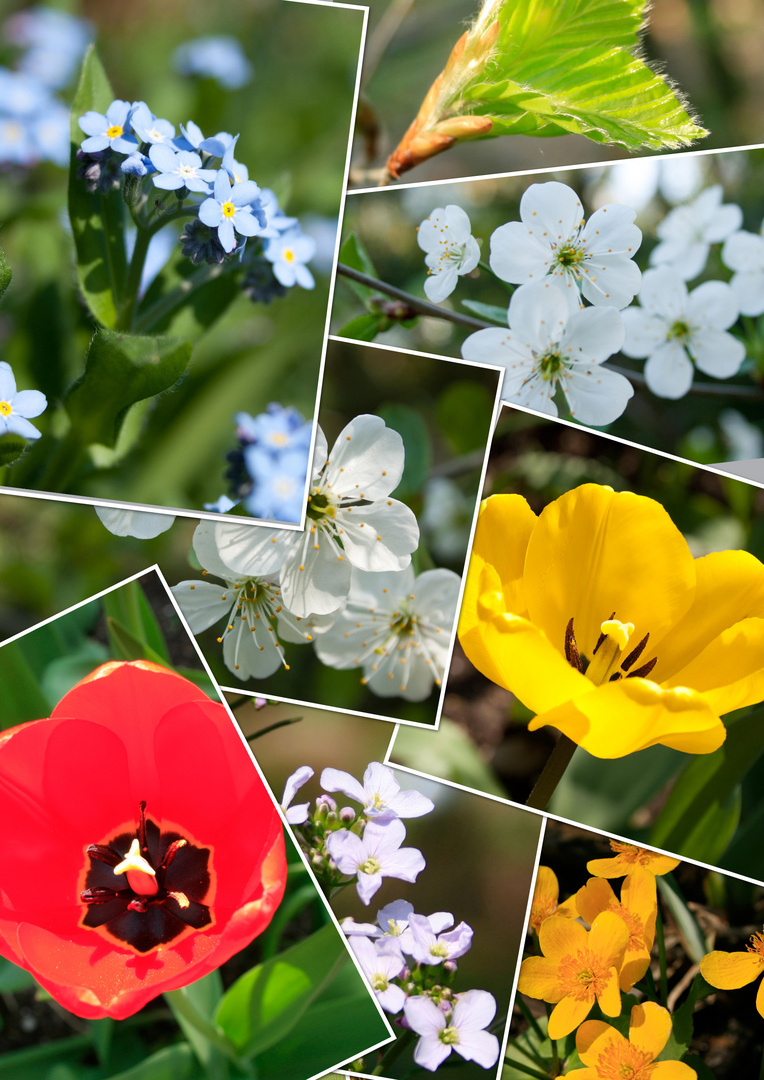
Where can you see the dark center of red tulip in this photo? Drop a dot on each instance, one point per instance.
(146, 888)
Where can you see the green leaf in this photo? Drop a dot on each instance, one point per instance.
(172, 1063)
(692, 936)
(448, 753)
(23, 699)
(568, 66)
(119, 371)
(355, 255)
(11, 448)
(490, 312)
(127, 646)
(365, 327)
(98, 221)
(13, 978)
(701, 813)
(204, 995)
(412, 428)
(5, 274)
(682, 1022)
(265, 1004)
(347, 1021)
(62, 674)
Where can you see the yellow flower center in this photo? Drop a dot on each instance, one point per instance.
(371, 866)
(379, 982)
(114, 131)
(634, 925)
(757, 946)
(140, 873)
(449, 1036)
(632, 855)
(6, 408)
(289, 255)
(228, 209)
(622, 1061)
(583, 976)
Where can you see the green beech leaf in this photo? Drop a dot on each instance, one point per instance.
(702, 812)
(265, 1004)
(119, 371)
(98, 221)
(550, 67)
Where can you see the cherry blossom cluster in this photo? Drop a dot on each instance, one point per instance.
(576, 280)
(345, 583)
(409, 960)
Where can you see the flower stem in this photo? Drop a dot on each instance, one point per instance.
(272, 727)
(403, 1041)
(137, 262)
(552, 773)
(182, 1006)
(526, 1069)
(532, 1021)
(423, 307)
(661, 956)
(527, 1052)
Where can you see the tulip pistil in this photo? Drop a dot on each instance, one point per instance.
(147, 888)
(608, 663)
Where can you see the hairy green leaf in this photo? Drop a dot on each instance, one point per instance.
(98, 220)
(119, 371)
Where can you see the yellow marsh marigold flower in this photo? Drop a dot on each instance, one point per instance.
(577, 966)
(597, 617)
(638, 907)
(729, 971)
(627, 858)
(607, 1055)
(546, 896)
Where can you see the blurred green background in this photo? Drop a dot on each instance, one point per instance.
(480, 853)
(710, 48)
(484, 740)
(697, 426)
(294, 118)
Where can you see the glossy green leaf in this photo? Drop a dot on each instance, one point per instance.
(702, 811)
(490, 312)
(13, 978)
(62, 674)
(354, 254)
(682, 1021)
(11, 448)
(119, 371)
(98, 221)
(365, 327)
(412, 429)
(265, 1004)
(175, 1062)
(692, 936)
(5, 274)
(563, 66)
(23, 698)
(204, 996)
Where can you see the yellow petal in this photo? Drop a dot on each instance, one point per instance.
(729, 588)
(609, 998)
(628, 857)
(593, 898)
(504, 526)
(538, 979)
(730, 971)
(649, 1027)
(730, 670)
(760, 998)
(559, 937)
(567, 1015)
(547, 888)
(635, 964)
(621, 717)
(640, 895)
(594, 1037)
(672, 1070)
(515, 654)
(595, 552)
(582, 1074)
(608, 938)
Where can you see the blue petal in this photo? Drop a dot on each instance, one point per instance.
(226, 235)
(211, 213)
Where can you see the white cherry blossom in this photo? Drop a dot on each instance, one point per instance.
(743, 252)
(139, 523)
(352, 521)
(396, 628)
(256, 618)
(676, 329)
(687, 232)
(553, 239)
(445, 235)
(547, 346)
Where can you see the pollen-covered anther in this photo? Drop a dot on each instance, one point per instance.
(140, 873)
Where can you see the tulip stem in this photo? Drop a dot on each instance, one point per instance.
(552, 773)
(182, 1006)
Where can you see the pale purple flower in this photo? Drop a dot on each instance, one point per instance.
(380, 965)
(428, 947)
(296, 815)
(380, 794)
(462, 1031)
(376, 855)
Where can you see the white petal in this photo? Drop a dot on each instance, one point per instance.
(598, 397)
(441, 283)
(203, 603)
(668, 372)
(479, 1046)
(749, 292)
(138, 523)
(712, 304)
(611, 280)
(593, 334)
(744, 251)
(251, 655)
(366, 461)
(338, 780)
(380, 536)
(319, 583)
(553, 207)
(251, 551)
(538, 313)
(717, 353)
(644, 332)
(518, 255)
(424, 1016)
(686, 259)
(474, 1010)
(724, 222)
(664, 293)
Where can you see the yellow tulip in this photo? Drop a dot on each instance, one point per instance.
(598, 618)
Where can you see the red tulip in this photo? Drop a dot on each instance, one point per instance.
(140, 849)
